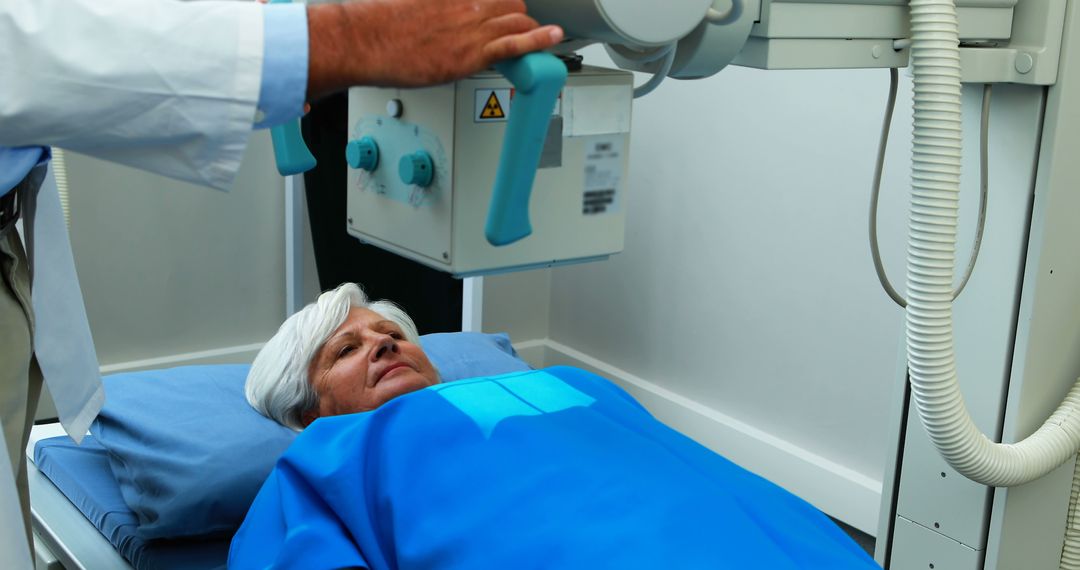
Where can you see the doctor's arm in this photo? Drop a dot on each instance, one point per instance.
(411, 43)
(174, 87)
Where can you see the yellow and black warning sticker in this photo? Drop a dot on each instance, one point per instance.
(492, 105)
(492, 109)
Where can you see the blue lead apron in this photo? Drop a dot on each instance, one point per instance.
(554, 468)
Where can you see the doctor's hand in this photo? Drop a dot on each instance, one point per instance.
(412, 43)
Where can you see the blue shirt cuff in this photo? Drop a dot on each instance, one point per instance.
(16, 163)
(285, 64)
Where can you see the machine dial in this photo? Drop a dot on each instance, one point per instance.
(416, 168)
(362, 154)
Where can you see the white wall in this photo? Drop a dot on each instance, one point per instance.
(745, 309)
(169, 268)
(174, 273)
(518, 303)
(746, 285)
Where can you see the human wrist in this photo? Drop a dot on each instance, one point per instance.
(332, 65)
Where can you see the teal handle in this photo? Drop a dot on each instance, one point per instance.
(538, 78)
(290, 152)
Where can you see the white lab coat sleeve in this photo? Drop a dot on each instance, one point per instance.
(162, 85)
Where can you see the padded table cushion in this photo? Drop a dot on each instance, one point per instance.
(83, 475)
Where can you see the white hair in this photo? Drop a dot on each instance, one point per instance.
(277, 385)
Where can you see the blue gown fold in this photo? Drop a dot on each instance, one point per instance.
(554, 468)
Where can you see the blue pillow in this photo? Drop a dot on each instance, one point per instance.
(190, 454)
(468, 355)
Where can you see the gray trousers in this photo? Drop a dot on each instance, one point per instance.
(20, 378)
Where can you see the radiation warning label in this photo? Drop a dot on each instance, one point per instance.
(492, 105)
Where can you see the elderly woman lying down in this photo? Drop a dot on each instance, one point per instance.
(554, 468)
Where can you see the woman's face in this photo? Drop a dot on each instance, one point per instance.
(365, 363)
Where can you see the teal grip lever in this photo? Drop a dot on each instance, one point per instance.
(538, 78)
(290, 152)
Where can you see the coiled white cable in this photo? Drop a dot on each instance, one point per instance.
(1070, 552)
(59, 166)
(875, 192)
(935, 170)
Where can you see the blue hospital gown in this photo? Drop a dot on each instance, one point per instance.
(554, 468)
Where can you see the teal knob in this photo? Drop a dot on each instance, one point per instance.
(416, 168)
(362, 154)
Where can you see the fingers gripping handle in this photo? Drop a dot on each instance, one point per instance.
(290, 152)
(537, 78)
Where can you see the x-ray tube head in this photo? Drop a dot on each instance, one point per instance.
(641, 23)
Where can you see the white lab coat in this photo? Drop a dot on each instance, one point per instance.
(162, 85)
(166, 86)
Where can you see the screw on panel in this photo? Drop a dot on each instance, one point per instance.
(446, 255)
(942, 474)
(937, 525)
(931, 566)
(350, 221)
